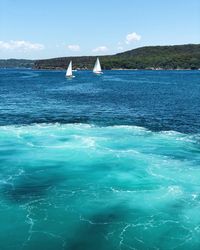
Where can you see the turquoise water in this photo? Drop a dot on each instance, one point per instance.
(99, 163)
(79, 186)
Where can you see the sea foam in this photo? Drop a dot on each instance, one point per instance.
(109, 181)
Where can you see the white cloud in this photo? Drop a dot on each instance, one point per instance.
(20, 45)
(132, 37)
(100, 49)
(73, 47)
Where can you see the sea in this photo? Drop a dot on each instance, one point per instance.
(99, 162)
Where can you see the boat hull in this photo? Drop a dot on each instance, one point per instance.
(98, 73)
(70, 77)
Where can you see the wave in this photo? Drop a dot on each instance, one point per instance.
(122, 141)
(89, 134)
(85, 126)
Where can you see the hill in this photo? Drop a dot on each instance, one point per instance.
(16, 63)
(151, 57)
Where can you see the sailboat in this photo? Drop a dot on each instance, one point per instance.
(69, 71)
(97, 67)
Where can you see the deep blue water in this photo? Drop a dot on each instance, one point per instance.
(158, 100)
(104, 163)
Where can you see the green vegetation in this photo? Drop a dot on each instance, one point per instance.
(151, 57)
(16, 63)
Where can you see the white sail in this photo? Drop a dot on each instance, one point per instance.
(69, 70)
(97, 67)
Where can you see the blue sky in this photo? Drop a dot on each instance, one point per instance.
(52, 28)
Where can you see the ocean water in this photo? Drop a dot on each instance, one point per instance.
(109, 162)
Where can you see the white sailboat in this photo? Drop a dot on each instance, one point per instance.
(97, 67)
(69, 71)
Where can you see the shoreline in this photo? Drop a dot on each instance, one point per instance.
(112, 69)
(120, 69)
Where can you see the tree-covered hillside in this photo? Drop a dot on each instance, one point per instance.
(16, 63)
(151, 57)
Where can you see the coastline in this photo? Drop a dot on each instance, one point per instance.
(113, 69)
(117, 69)
(154, 69)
